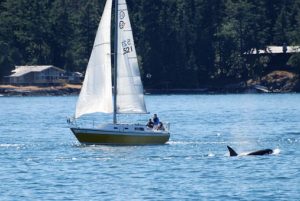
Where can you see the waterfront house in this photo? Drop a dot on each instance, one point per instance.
(46, 75)
(277, 50)
(276, 56)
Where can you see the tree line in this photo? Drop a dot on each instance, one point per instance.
(180, 43)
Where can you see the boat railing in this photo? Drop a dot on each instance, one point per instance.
(167, 126)
(71, 121)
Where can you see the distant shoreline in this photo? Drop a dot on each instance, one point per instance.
(10, 90)
(274, 82)
(69, 90)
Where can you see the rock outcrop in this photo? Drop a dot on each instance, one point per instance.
(8, 90)
(277, 81)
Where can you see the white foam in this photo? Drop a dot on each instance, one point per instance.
(276, 151)
(10, 145)
(243, 154)
(210, 154)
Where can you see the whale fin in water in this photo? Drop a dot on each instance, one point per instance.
(231, 151)
(255, 153)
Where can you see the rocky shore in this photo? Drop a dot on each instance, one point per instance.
(9, 90)
(274, 82)
(277, 82)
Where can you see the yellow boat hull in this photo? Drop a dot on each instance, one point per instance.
(105, 137)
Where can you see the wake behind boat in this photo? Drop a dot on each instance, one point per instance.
(127, 97)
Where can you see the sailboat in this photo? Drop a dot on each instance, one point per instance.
(127, 96)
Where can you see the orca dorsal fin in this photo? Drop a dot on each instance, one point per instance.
(231, 151)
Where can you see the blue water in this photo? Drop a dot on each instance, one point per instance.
(41, 160)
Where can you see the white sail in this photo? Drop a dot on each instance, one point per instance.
(130, 97)
(96, 92)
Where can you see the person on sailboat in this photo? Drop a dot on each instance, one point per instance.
(160, 126)
(155, 120)
(150, 124)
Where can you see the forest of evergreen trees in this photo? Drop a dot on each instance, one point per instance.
(181, 43)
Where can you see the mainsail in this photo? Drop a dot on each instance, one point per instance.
(96, 92)
(130, 97)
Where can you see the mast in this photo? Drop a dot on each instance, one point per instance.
(115, 62)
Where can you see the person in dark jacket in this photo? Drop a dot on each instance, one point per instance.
(155, 120)
(150, 124)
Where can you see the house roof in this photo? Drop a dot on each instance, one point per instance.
(22, 70)
(276, 50)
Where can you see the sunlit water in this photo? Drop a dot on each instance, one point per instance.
(41, 160)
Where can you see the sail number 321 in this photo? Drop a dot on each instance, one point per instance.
(127, 46)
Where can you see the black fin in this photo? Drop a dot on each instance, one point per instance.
(231, 151)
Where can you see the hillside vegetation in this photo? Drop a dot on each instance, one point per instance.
(180, 43)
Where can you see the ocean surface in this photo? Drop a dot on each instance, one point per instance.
(40, 159)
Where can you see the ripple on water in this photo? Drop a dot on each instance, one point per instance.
(41, 159)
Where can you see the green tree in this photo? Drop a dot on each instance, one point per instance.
(85, 25)
(61, 34)
(182, 43)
